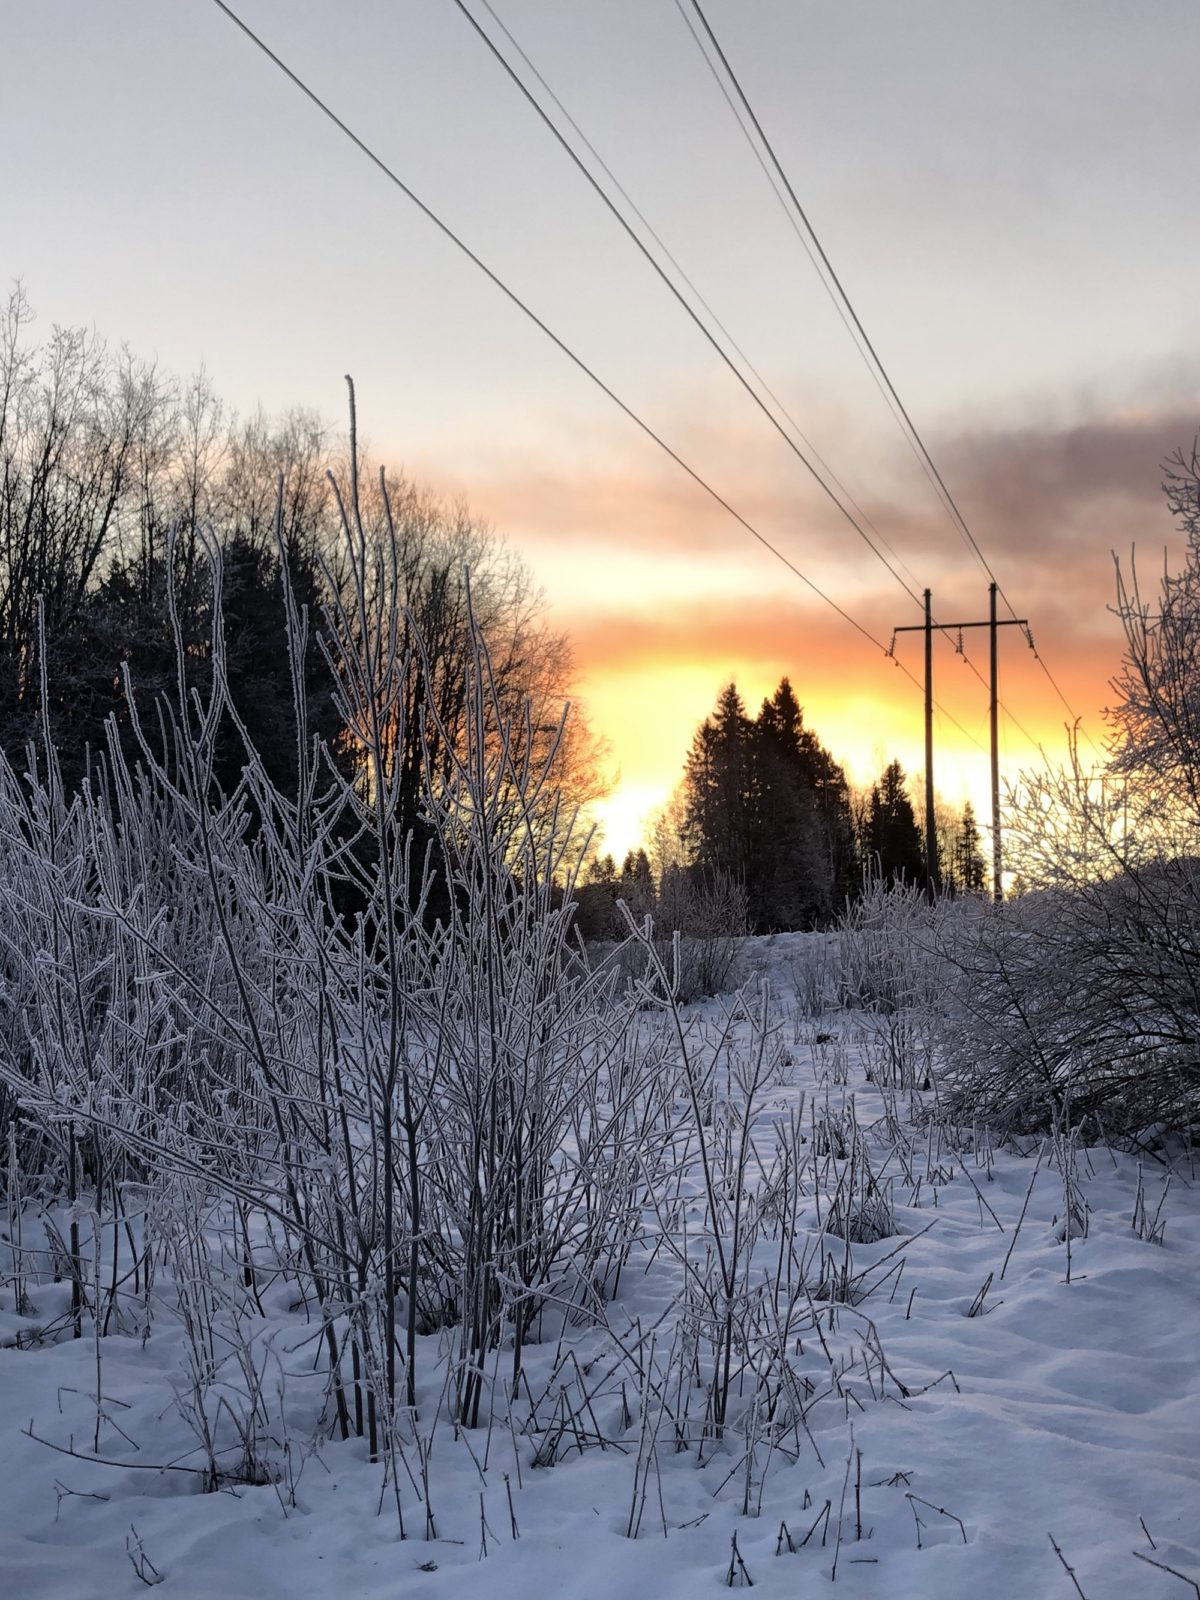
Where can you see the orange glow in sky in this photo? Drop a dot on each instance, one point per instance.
(647, 712)
(666, 600)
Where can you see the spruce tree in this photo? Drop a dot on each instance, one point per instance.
(831, 796)
(893, 839)
(636, 885)
(790, 881)
(596, 915)
(767, 806)
(717, 790)
(970, 871)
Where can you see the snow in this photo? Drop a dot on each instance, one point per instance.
(1063, 1408)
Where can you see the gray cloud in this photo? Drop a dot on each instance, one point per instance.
(1053, 493)
(1088, 486)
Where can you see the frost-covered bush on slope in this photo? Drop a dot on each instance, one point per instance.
(700, 932)
(893, 974)
(1076, 1004)
(1081, 1004)
(1083, 1000)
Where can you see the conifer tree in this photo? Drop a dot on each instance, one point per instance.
(717, 783)
(767, 806)
(792, 883)
(831, 797)
(636, 885)
(596, 915)
(893, 840)
(970, 872)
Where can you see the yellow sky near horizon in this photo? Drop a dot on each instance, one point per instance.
(648, 713)
(648, 678)
(666, 598)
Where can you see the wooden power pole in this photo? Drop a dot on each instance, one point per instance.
(928, 628)
(931, 850)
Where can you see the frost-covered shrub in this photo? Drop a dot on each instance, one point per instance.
(707, 918)
(815, 973)
(892, 971)
(1082, 1000)
(1081, 1003)
(699, 929)
(373, 1040)
(888, 959)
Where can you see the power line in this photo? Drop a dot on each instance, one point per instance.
(839, 299)
(511, 295)
(515, 299)
(941, 709)
(1053, 681)
(675, 291)
(900, 409)
(862, 339)
(781, 197)
(559, 136)
(949, 628)
(862, 515)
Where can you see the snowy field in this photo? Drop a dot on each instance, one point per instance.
(948, 1356)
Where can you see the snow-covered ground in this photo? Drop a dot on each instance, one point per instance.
(968, 1405)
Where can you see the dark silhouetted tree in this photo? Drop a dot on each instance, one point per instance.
(596, 915)
(718, 815)
(767, 806)
(636, 885)
(805, 858)
(893, 840)
(969, 868)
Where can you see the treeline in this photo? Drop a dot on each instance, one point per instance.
(135, 507)
(765, 820)
(143, 525)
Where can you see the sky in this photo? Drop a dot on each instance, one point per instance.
(1008, 193)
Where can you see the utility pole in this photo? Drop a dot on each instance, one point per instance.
(931, 850)
(994, 720)
(928, 628)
